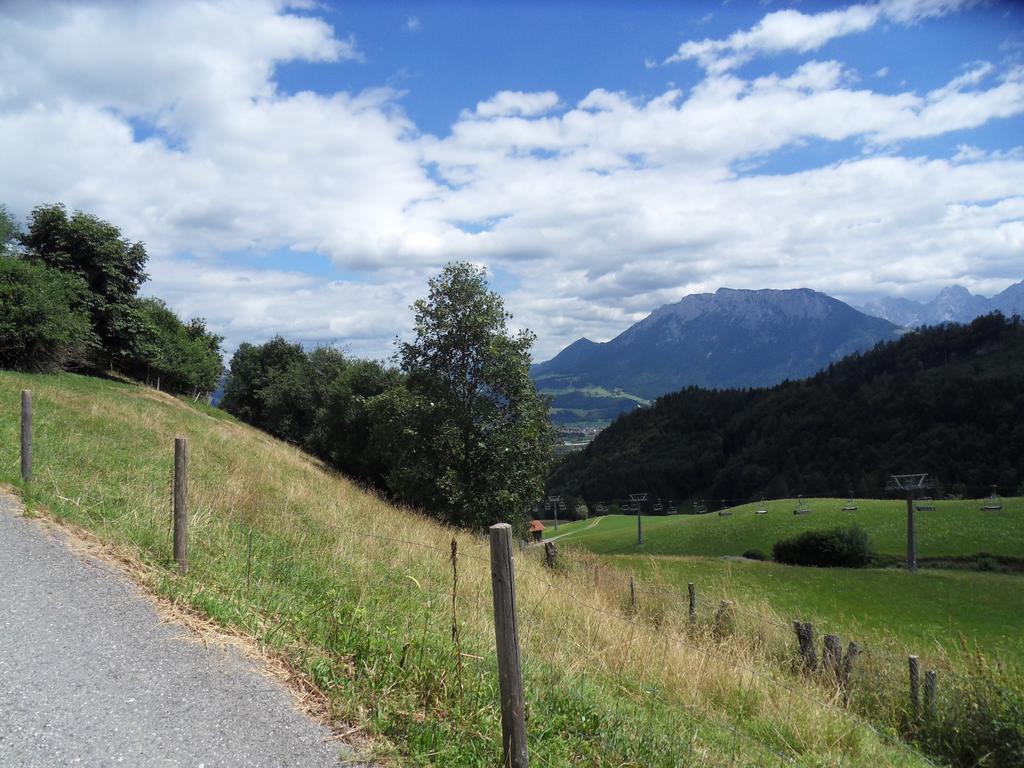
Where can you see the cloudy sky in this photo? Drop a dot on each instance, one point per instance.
(303, 168)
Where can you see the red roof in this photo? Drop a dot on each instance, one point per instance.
(536, 525)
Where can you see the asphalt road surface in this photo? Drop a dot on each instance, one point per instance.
(89, 676)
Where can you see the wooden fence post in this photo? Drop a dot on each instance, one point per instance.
(550, 554)
(930, 684)
(26, 435)
(832, 656)
(724, 618)
(805, 637)
(915, 686)
(852, 652)
(692, 590)
(632, 593)
(181, 503)
(506, 635)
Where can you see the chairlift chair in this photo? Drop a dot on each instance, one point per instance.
(850, 506)
(763, 510)
(927, 504)
(801, 507)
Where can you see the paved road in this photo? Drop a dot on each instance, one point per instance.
(90, 677)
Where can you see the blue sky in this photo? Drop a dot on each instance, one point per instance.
(303, 168)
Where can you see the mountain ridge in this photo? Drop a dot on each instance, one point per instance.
(733, 338)
(953, 304)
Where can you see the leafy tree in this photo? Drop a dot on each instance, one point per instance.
(184, 357)
(10, 233)
(44, 320)
(111, 266)
(349, 427)
(479, 440)
(270, 386)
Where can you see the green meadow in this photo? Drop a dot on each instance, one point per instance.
(956, 609)
(955, 528)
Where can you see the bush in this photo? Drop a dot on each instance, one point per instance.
(834, 548)
(44, 317)
(754, 554)
(183, 357)
(980, 720)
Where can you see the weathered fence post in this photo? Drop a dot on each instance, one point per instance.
(852, 652)
(632, 593)
(805, 637)
(724, 618)
(832, 656)
(930, 684)
(181, 503)
(550, 554)
(26, 435)
(506, 635)
(915, 686)
(692, 590)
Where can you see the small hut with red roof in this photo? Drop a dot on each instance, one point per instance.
(536, 530)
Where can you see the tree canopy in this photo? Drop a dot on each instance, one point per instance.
(113, 267)
(69, 297)
(479, 429)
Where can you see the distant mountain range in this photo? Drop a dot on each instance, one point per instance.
(954, 304)
(737, 339)
(728, 339)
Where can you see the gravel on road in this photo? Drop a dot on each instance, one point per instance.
(91, 676)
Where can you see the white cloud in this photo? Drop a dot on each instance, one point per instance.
(515, 103)
(790, 30)
(786, 30)
(593, 212)
(412, 23)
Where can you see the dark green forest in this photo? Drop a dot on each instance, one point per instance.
(947, 400)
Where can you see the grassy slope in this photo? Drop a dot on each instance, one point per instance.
(355, 595)
(954, 528)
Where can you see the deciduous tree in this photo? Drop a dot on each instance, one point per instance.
(478, 436)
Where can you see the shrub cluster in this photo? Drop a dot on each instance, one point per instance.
(834, 548)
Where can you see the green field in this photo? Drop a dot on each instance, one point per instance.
(883, 605)
(954, 529)
(872, 605)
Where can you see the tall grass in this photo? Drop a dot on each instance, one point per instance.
(355, 596)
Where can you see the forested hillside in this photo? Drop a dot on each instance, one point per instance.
(948, 400)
